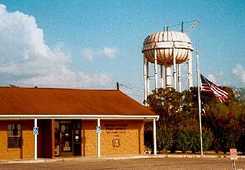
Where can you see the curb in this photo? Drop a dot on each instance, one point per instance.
(172, 156)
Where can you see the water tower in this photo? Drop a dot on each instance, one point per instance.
(167, 50)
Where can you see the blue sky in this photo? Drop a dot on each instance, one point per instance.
(103, 40)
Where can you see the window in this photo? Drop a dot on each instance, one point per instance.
(14, 135)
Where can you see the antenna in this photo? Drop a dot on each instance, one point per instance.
(182, 26)
(194, 23)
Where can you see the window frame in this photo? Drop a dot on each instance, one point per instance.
(14, 131)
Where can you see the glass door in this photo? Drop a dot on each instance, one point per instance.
(65, 137)
(68, 138)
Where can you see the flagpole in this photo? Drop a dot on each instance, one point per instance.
(199, 100)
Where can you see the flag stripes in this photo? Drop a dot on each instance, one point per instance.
(210, 87)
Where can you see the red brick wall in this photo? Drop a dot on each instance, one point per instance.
(27, 150)
(117, 137)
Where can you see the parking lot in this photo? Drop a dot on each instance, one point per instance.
(134, 164)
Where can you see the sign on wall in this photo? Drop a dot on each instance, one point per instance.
(116, 128)
(116, 142)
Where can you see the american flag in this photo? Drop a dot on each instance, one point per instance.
(210, 87)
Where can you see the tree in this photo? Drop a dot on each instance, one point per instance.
(222, 119)
(166, 103)
(178, 126)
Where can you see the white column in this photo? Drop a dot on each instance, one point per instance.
(148, 77)
(189, 63)
(98, 131)
(174, 70)
(168, 77)
(179, 77)
(161, 71)
(155, 68)
(145, 81)
(154, 137)
(35, 138)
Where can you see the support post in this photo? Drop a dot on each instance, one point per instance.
(155, 68)
(154, 137)
(162, 81)
(98, 131)
(168, 76)
(145, 82)
(179, 77)
(189, 63)
(35, 132)
(147, 77)
(174, 70)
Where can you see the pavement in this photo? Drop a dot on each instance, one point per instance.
(171, 162)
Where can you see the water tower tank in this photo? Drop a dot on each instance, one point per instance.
(167, 45)
(167, 50)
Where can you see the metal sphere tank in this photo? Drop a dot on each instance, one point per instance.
(167, 44)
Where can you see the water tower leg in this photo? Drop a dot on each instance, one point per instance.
(162, 81)
(189, 62)
(179, 77)
(174, 71)
(145, 81)
(168, 77)
(148, 78)
(155, 69)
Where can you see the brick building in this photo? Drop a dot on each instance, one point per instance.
(51, 122)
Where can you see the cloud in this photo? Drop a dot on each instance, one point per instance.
(239, 72)
(212, 78)
(217, 77)
(27, 60)
(90, 54)
(109, 52)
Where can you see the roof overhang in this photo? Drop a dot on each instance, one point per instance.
(84, 117)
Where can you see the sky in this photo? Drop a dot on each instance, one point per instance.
(94, 44)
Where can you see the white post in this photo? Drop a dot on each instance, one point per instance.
(35, 132)
(98, 131)
(199, 102)
(179, 78)
(155, 68)
(148, 77)
(174, 71)
(145, 82)
(189, 62)
(168, 77)
(162, 81)
(154, 137)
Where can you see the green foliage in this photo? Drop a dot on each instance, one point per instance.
(240, 94)
(188, 138)
(167, 103)
(178, 127)
(223, 120)
(207, 136)
(241, 140)
(164, 137)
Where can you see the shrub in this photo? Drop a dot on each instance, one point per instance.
(164, 137)
(188, 139)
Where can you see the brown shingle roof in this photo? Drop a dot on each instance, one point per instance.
(57, 101)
